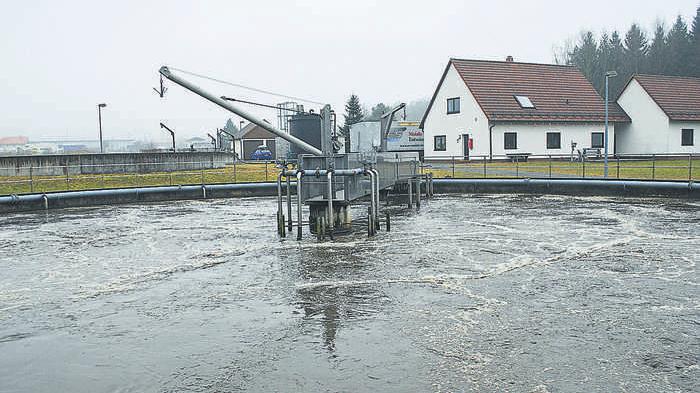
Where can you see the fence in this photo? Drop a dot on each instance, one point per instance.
(638, 167)
(71, 180)
(630, 167)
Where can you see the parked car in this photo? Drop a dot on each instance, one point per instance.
(261, 153)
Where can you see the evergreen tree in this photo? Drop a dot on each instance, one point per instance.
(636, 47)
(353, 113)
(585, 57)
(377, 111)
(656, 57)
(678, 44)
(695, 45)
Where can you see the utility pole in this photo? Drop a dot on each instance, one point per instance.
(608, 75)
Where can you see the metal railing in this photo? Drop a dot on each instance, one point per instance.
(88, 177)
(684, 167)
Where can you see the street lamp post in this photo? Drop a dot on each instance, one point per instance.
(99, 117)
(608, 75)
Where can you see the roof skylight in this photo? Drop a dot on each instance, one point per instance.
(524, 102)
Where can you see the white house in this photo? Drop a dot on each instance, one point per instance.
(499, 108)
(665, 113)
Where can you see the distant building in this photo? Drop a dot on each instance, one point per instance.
(13, 144)
(665, 113)
(250, 137)
(497, 108)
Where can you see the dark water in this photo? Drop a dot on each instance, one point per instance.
(497, 293)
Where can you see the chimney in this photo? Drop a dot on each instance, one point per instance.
(509, 59)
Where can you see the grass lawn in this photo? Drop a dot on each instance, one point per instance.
(242, 173)
(672, 169)
(675, 169)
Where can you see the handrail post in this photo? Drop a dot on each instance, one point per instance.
(31, 179)
(550, 166)
(484, 167)
(653, 166)
(453, 167)
(331, 222)
(690, 166)
(300, 174)
(618, 167)
(289, 203)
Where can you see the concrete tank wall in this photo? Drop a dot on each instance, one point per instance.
(109, 163)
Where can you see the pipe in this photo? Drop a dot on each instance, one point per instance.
(331, 223)
(240, 112)
(376, 194)
(289, 204)
(280, 220)
(324, 172)
(371, 217)
(300, 174)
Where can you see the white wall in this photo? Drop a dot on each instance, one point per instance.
(470, 120)
(532, 137)
(674, 136)
(650, 132)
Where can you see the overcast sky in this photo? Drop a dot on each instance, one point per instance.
(59, 59)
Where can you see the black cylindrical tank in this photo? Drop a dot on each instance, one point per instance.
(306, 127)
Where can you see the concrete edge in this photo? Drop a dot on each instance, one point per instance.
(578, 187)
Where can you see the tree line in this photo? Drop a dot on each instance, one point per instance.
(674, 51)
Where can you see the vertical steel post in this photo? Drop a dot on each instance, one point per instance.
(618, 167)
(418, 193)
(289, 203)
(372, 207)
(550, 166)
(453, 167)
(410, 193)
(653, 166)
(31, 179)
(330, 200)
(280, 215)
(300, 174)
(690, 166)
(484, 167)
(376, 188)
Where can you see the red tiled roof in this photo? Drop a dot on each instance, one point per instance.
(677, 96)
(14, 140)
(559, 93)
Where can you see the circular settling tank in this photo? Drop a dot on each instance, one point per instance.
(471, 293)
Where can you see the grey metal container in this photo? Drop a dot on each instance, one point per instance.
(306, 127)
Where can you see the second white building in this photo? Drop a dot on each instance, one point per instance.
(498, 109)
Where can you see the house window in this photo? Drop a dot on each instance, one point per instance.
(687, 137)
(510, 140)
(553, 140)
(597, 139)
(440, 143)
(452, 105)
